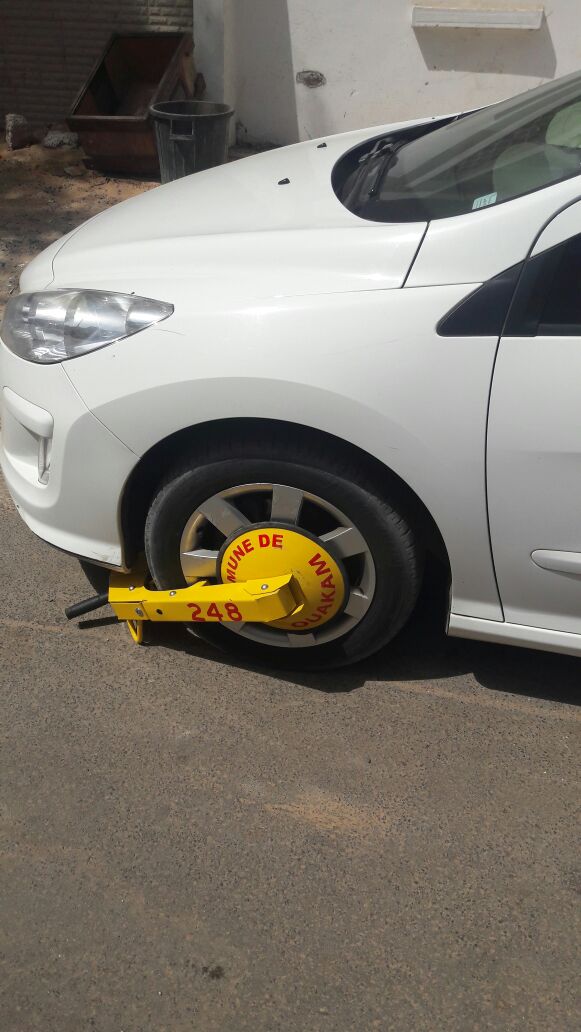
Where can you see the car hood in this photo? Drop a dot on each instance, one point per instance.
(261, 226)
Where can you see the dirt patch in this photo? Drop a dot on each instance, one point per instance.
(43, 195)
(329, 813)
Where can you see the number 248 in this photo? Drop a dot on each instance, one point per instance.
(213, 612)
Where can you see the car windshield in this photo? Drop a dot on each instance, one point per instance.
(471, 162)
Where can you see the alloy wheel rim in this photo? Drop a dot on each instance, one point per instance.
(242, 507)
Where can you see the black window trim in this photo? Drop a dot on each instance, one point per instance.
(511, 303)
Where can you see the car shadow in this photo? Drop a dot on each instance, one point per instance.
(421, 652)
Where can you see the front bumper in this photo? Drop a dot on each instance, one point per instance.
(65, 471)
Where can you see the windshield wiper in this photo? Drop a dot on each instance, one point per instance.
(388, 156)
(378, 151)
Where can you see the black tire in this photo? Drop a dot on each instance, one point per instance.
(395, 551)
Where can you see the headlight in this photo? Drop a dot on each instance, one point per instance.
(53, 325)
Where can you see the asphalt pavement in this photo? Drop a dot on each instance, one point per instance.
(191, 845)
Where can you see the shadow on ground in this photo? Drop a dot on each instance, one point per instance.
(421, 652)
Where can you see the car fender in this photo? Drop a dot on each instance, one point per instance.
(366, 367)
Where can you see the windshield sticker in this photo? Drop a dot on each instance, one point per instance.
(483, 202)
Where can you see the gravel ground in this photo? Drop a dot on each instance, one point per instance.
(40, 201)
(192, 845)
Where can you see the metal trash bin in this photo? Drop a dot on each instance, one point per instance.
(191, 135)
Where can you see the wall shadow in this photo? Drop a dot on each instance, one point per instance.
(422, 652)
(499, 51)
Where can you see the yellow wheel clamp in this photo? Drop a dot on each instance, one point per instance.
(268, 575)
(256, 601)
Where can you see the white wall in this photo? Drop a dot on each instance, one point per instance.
(377, 68)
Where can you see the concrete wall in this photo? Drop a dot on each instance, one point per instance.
(376, 67)
(48, 47)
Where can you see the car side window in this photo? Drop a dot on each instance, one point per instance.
(547, 301)
(560, 314)
(542, 297)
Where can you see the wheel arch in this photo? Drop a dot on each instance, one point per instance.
(202, 439)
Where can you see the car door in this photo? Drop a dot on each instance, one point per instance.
(534, 436)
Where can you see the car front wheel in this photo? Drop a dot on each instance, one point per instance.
(353, 555)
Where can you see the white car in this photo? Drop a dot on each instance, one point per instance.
(372, 340)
